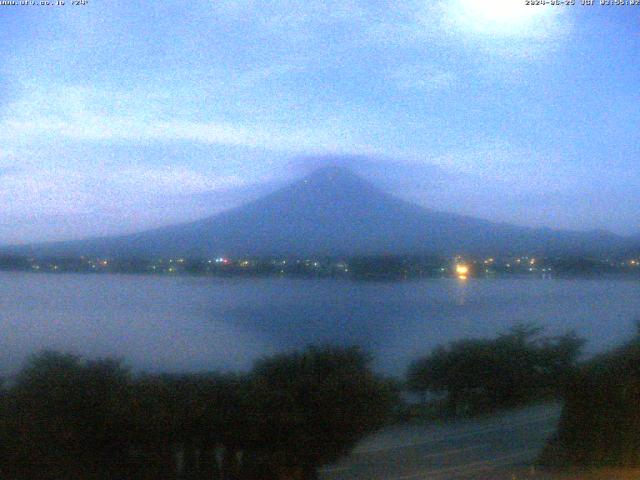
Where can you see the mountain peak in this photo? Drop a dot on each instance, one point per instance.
(337, 179)
(330, 186)
(332, 173)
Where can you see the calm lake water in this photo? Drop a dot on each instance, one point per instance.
(185, 323)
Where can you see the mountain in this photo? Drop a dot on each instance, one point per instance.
(334, 212)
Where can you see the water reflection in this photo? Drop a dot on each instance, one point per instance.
(461, 290)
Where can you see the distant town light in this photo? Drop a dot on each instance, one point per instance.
(462, 270)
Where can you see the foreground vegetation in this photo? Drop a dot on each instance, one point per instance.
(475, 376)
(600, 423)
(66, 418)
(62, 417)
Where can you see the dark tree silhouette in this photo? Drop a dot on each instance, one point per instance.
(67, 418)
(312, 407)
(601, 417)
(484, 374)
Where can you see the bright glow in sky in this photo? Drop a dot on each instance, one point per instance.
(506, 18)
(124, 115)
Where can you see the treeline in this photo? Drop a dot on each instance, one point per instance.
(388, 267)
(474, 376)
(600, 421)
(396, 267)
(375, 267)
(63, 417)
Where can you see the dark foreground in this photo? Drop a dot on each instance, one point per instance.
(496, 447)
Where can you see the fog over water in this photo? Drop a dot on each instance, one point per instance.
(186, 323)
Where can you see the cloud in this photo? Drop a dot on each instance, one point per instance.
(70, 190)
(32, 192)
(493, 157)
(85, 114)
(514, 169)
(171, 180)
(59, 201)
(97, 128)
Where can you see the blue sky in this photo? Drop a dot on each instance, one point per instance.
(119, 116)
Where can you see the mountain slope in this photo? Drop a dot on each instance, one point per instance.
(334, 212)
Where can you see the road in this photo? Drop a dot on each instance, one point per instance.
(488, 448)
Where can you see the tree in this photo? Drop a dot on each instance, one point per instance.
(190, 416)
(600, 419)
(483, 374)
(65, 418)
(312, 407)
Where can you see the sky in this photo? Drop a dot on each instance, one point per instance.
(120, 116)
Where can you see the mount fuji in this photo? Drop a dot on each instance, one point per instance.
(334, 212)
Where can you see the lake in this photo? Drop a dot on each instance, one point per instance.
(197, 323)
